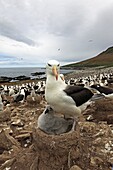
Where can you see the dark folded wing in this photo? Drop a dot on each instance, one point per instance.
(79, 94)
(102, 89)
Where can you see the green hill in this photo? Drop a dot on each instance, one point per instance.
(104, 59)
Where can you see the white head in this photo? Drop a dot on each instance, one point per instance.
(52, 68)
(22, 91)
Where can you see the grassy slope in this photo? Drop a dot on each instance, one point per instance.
(103, 59)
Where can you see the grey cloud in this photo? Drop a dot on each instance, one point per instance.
(8, 30)
(7, 58)
(100, 32)
(65, 19)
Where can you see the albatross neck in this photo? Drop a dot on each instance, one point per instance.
(51, 81)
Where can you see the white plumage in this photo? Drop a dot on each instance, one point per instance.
(69, 100)
(1, 103)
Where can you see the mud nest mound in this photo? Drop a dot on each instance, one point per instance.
(60, 151)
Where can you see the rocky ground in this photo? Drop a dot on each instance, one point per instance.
(25, 147)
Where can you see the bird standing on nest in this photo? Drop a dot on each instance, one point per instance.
(66, 99)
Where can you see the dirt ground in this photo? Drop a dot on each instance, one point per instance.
(25, 147)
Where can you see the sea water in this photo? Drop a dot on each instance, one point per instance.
(26, 71)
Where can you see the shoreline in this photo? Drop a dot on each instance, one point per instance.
(41, 76)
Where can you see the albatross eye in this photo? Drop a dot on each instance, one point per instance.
(58, 65)
(49, 64)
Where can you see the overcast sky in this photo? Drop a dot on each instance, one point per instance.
(35, 31)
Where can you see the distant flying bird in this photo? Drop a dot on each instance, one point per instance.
(90, 40)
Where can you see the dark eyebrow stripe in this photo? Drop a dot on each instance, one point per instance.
(49, 64)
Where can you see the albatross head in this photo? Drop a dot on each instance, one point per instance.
(52, 68)
(48, 110)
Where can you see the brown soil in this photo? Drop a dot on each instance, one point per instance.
(25, 147)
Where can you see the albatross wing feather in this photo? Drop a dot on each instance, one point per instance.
(101, 89)
(79, 94)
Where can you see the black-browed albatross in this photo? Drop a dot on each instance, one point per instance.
(66, 99)
(106, 91)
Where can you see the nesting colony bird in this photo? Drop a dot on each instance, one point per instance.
(52, 124)
(1, 103)
(63, 98)
(6, 90)
(33, 94)
(5, 101)
(11, 91)
(107, 92)
(62, 77)
(33, 100)
(20, 97)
